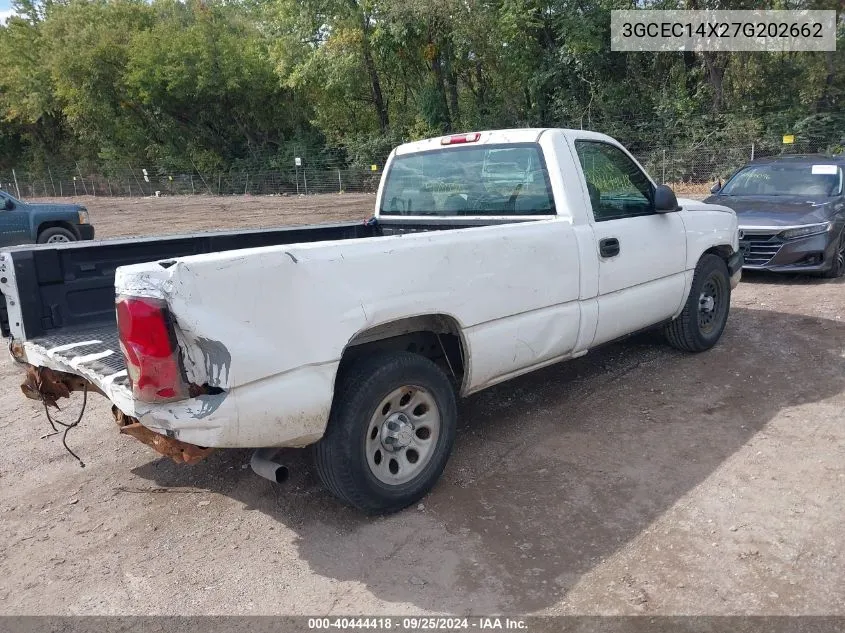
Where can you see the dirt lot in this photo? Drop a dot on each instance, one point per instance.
(122, 217)
(636, 480)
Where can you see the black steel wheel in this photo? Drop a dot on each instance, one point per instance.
(705, 314)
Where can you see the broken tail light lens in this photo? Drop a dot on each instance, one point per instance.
(148, 342)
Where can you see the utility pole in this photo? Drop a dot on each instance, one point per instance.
(52, 184)
(18, 189)
(84, 186)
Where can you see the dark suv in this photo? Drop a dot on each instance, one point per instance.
(29, 222)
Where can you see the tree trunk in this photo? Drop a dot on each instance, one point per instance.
(546, 39)
(716, 63)
(825, 100)
(372, 73)
(452, 84)
(375, 84)
(481, 94)
(440, 85)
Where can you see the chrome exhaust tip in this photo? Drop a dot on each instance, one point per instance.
(263, 463)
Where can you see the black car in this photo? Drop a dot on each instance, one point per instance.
(791, 213)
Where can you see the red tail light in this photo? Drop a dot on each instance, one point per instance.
(457, 139)
(149, 345)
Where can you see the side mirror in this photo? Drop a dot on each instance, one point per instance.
(717, 187)
(8, 204)
(665, 200)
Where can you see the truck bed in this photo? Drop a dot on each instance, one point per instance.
(69, 288)
(66, 296)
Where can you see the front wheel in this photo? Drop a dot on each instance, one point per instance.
(705, 314)
(837, 266)
(390, 432)
(56, 235)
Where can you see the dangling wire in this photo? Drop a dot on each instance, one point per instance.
(67, 426)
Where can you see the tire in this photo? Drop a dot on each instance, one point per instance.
(837, 268)
(700, 325)
(372, 427)
(56, 235)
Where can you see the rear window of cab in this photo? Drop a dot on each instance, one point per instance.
(481, 180)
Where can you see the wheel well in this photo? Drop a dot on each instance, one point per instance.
(435, 336)
(724, 251)
(56, 223)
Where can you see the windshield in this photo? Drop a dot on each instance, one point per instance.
(482, 180)
(804, 179)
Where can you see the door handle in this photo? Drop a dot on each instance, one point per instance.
(609, 247)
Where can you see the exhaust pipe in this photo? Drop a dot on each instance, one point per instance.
(263, 463)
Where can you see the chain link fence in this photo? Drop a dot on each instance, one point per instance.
(689, 170)
(696, 168)
(146, 181)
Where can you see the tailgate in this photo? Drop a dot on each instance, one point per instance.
(93, 353)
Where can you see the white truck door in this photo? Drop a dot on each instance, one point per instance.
(642, 254)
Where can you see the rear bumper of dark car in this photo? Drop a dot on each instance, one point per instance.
(807, 254)
(86, 231)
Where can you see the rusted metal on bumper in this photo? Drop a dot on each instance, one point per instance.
(16, 349)
(180, 452)
(48, 385)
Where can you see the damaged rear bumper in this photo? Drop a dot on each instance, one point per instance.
(177, 450)
(287, 409)
(49, 386)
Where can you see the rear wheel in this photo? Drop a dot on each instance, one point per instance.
(705, 314)
(390, 432)
(56, 235)
(837, 268)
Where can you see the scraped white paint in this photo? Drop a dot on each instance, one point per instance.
(81, 360)
(112, 377)
(67, 346)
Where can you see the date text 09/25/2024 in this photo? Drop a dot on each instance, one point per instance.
(418, 623)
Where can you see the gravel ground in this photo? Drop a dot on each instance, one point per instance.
(125, 217)
(635, 480)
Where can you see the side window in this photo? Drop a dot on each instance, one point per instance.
(617, 187)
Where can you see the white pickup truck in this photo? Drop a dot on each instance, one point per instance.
(490, 254)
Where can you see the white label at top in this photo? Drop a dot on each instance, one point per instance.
(824, 169)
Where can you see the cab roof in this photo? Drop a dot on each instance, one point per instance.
(492, 137)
